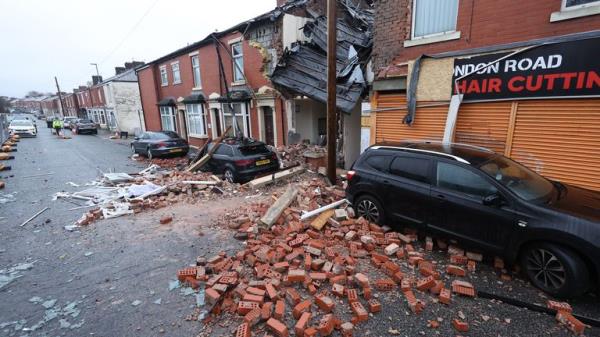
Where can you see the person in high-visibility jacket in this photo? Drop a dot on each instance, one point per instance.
(57, 125)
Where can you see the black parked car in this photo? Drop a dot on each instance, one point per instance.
(487, 202)
(241, 160)
(161, 143)
(82, 126)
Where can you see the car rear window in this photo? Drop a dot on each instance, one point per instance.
(87, 121)
(416, 169)
(254, 150)
(379, 162)
(164, 135)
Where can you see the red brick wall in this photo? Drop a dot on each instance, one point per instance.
(147, 82)
(489, 22)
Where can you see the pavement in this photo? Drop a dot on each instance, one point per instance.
(113, 278)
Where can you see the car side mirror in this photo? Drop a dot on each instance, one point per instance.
(494, 200)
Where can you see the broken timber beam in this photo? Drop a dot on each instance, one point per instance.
(279, 206)
(275, 177)
(322, 219)
(195, 166)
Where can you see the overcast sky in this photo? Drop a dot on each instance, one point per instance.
(41, 39)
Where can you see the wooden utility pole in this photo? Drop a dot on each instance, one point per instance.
(62, 106)
(331, 89)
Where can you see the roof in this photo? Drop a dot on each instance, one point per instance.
(468, 154)
(303, 69)
(127, 76)
(271, 15)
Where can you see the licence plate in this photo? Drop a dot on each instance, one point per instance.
(175, 150)
(262, 162)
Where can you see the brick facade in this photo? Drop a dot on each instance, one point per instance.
(481, 23)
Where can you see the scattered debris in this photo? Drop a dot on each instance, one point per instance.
(34, 216)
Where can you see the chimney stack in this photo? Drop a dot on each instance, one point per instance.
(96, 79)
(120, 70)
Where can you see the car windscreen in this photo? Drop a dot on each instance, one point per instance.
(21, 123)
(525, 183)
(253, 150)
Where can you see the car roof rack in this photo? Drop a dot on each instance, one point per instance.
(410, 149)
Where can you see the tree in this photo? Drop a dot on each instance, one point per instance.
(4, 105)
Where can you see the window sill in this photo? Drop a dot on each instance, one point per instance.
(198, 136)
(164, 85)
(236, 83)
(432, 39)
(176, 83)
(574, 13)
(196, 88)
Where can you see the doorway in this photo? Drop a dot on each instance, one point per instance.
(268, 124)
(216, 122)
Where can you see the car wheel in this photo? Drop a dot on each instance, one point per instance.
(228, 175)
(369, 208)
(149, 154)
(556, 270)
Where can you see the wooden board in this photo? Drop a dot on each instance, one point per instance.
(279, 206)
(321, 220)
(195, 166)
(275, 177)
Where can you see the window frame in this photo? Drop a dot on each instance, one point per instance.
(234, 59)
(176, 79)
(431, 38)
(203, 124)
(245, 114)
(564, 8)
(170, 114)
(196, 68)
(164, 76)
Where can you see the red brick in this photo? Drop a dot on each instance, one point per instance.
(279, 309)
(337, 289)
(292, 296)
(463, 288)
(212, 296)
(559, 306)
(245, 307)
(185, 273)
(459, 259)
(359, 311)
(362, 279)
(243, 330)
(311, 332)
(277, 327)
(326, 325)
(296, 275)
(325, 303)
(572, 323)
(367, 293)
(302, 323)
(415, 305)
(318, 276)
(271, 291)
(266, 311)
(352, 295)
(300, 308)
(347, 329)
(426, 283)
(385, 285)
(341, 279)
(460, 326)
(253, 317)
(253, 298)
(455, 270)
(374, 306)
(445, 296)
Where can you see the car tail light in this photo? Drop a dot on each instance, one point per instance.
(161, 144)
(243, 162)
(350, 175)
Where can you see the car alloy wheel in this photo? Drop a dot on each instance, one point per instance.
(546, 269)
(368, 210)
(228, 175)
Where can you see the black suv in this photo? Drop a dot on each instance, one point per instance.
(487, 202)
(241, 160)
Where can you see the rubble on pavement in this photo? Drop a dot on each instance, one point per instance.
(7, 147)
(294, 155)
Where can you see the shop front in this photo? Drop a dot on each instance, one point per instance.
(539, 105)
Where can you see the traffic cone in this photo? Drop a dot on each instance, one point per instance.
(4, 168)
(1, 185)
(4, 156)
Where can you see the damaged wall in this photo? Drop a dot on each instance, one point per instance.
(435, 79)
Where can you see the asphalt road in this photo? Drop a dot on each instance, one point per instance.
(112, 278)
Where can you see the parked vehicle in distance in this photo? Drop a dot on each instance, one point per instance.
(69, 121)
(83, 125)
(160, 143)
(487, 202)
(241, 160)
(26, 117)
(23, 128)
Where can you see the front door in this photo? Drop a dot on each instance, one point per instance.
(216, 121)
(458, 208)
(268, 124)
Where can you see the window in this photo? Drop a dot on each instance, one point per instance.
(196, 71)
(196, 119)
(433, 17)
(458, 179)
(164, 80)
(167, 118)
(238, 62)
(176, 73)
(224, 150)
(241, 116)
(575, 4)
(411, 168)
(380, 163)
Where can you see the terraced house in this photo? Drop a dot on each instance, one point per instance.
(520, 78)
